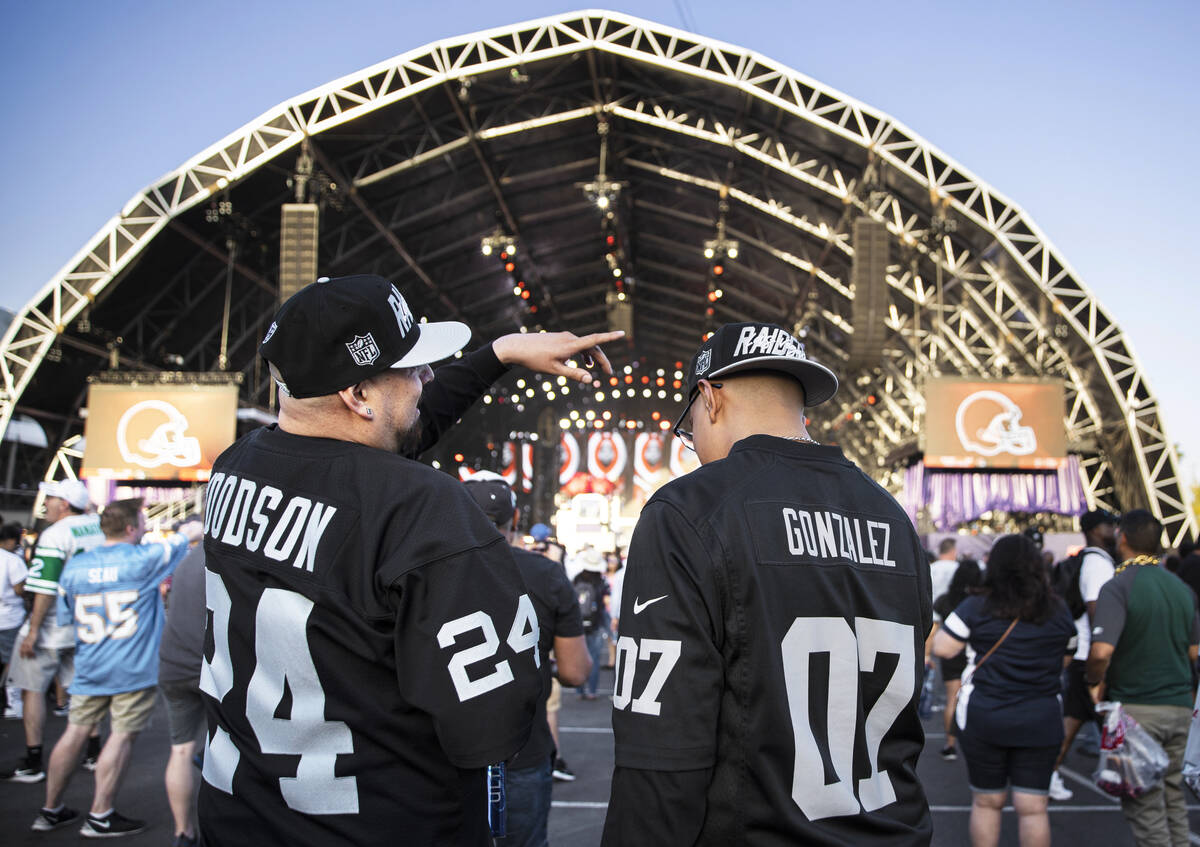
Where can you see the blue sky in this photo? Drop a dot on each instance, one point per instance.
(1086, 114)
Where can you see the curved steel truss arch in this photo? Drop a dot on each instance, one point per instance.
(1008, 302)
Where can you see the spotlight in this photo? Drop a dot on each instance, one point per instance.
(498, 242)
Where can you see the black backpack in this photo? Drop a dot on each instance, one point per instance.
(1065, 582)
(587, 592)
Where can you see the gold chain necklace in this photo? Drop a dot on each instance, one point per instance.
(1143, 559)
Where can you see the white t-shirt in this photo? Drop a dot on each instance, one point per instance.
(616, 581)
(12, 572)
(1096, 570)
(941, 572)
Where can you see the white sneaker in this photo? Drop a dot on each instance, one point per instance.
(1058, 789)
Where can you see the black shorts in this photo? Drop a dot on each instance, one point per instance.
(993, 769)
(1077, 700)
(952, 669)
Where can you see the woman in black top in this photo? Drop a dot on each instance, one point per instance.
(965, 580)
(1009, 714)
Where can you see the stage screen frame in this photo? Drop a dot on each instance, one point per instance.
(1039, 403)
(194, 422)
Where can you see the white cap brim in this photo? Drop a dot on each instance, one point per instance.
(438, 341)
(820, 383)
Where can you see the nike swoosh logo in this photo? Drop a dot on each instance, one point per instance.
(638, 607)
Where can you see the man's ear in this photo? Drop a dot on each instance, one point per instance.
(355, 398)
(713, 401)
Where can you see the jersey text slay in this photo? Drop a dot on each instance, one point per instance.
(244, 513)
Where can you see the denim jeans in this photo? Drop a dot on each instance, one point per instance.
(596, 649)
(528, 792)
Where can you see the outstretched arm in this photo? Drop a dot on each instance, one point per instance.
(556, 353)
(460, 382)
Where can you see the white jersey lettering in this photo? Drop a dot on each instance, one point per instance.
(235, 527)
(829, 535)
(293, 517)
(254, 537)
(239, 514)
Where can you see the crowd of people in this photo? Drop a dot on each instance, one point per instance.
(1110, 622)
(358, 645)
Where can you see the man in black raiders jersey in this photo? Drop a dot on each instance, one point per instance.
(560, 625)
(773, 621)
(371, 646)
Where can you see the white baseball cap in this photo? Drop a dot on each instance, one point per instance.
(71, 490)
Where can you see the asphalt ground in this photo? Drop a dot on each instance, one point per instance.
(1090, 818)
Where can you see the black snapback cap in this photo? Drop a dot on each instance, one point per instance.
(338, 332)
(1090, 520)
(494, 495)
(759, 347)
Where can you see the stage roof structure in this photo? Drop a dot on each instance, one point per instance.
(524, 133)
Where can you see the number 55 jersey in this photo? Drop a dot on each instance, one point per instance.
(110, 594)
(773, 620)
(370, 649)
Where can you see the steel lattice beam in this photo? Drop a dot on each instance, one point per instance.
(1010, 303)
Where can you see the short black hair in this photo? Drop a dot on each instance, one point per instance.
(1142, 531)
(11, 532)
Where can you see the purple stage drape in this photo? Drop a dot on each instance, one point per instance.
(955, 497)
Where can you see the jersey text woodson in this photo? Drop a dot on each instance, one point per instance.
(243, 513)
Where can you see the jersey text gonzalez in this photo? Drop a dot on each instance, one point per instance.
(826, 534)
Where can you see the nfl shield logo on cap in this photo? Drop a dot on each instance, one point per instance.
(703, 361)
(364, 349)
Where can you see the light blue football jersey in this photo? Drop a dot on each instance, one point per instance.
(110, 595)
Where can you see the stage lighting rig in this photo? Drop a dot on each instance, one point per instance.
(718, 248)
(498, 242)
(604, 193)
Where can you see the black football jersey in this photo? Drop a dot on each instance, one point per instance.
(371, 647)
(558, 617)
(773, 621)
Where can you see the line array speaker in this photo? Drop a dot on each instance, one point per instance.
(299, 226)
(868, 275)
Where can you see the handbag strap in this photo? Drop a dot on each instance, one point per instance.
(988, 654)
